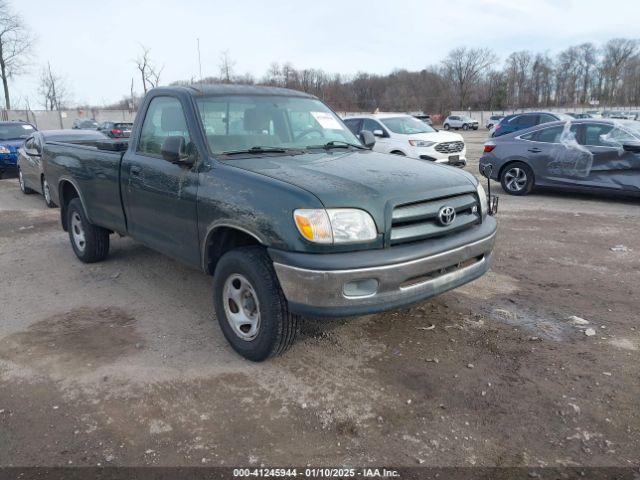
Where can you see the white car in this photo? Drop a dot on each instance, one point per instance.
(460, 121)
(401, 134)
(493, 120)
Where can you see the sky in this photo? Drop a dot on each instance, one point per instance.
(93, 44)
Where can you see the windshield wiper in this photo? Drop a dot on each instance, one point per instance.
(259, 150)
(336, 144)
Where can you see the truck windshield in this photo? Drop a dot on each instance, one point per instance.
(234, 123)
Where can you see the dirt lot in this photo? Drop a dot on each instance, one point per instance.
(122, 362)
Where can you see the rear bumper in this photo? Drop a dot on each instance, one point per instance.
(374, 288)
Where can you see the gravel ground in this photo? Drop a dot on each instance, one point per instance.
(123, 363)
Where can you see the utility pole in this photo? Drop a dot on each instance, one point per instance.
(199, 60)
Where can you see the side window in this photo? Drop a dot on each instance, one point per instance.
(544, 118)
(549, 135)
(371, 125)
(593, 135)
(164, 118)
(353, 124)
(524, 120)
(618, 136)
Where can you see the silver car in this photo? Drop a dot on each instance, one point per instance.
(30, 161)
(458, 122)
(595, 155)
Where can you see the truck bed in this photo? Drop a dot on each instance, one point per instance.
(96, 172)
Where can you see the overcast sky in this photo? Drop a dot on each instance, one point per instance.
(93, 44)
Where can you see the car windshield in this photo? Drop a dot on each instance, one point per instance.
(406, 125)
(564, 117)
(237, 123)
(467, 119)
(15, 131)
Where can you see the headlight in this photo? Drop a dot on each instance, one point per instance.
(335, 225)
(421, 143)
(4, 149)
(482, 196)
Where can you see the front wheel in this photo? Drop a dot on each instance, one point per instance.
(46, 193)
(446, 126)
(250, 305)
(517, 178)
(465, 127)
(90, 243)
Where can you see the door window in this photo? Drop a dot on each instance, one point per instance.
(353, 124)
(164, 118)
(595, 135)
(371, 125)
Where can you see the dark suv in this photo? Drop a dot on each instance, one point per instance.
(520, 121)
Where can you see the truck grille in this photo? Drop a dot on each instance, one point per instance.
(419, 221)
(449, 147)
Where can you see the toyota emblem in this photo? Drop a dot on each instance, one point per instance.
(446, 215)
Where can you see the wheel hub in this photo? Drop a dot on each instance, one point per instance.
(515, 179)
(241, 306)
(78, 232)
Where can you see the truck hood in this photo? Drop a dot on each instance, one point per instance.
(362, 179)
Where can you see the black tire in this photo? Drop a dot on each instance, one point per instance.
(46, 193)
(509, 175)
(23, 187)
(446, 126)
(398, 152)
(94, 246)
(277, 327)
(465, 127)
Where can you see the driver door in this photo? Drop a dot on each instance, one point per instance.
(160, 197)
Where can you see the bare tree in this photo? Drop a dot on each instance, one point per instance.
(53, 89)
(616, 53)
(15, 47)
(464, 67)
(149, 73)
(226, 66)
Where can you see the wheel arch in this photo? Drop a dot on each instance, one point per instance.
(222, 237)
(68, 190)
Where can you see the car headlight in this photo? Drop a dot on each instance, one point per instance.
(421, 143)
(4, 149)
(482, 196)
(335, 225)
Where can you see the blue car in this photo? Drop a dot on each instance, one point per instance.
(520, 121)
(12, 136)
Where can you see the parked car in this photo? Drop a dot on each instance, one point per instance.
(401, 134)
(493, 120)
(84, 124)
(12, 136)
(596, 155)
(267, 190)
(30, 160)
(458, 122)
(520, 121)
(594, 113)
(116, 129)
(425, 118)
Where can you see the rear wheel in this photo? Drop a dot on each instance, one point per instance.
(46, 193)
(250, 305)
(517, 178)
(23, 187)
(90, 243)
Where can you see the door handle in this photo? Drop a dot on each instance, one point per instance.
(534, 150)
(135, 171)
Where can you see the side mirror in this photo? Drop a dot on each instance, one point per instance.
(378, 133)
(633, 147)
(173, 150)
(367, 139)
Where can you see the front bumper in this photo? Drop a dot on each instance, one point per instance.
(8, 161)
(320, 292)
(456, 159)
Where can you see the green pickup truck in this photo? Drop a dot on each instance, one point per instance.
(268, 191)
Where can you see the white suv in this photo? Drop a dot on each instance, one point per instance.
(460, 121)
(401, 134)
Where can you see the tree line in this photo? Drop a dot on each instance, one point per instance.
(467, 78)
